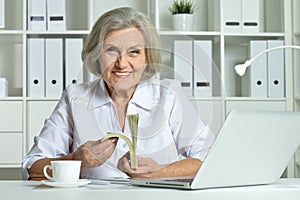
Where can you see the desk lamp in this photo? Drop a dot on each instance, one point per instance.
(240, 69)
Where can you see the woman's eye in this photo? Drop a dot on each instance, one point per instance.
(135, 52)
(112, 50)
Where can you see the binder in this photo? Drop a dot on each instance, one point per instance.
(74, 69)
(202, 68)
(2, 13)
(250, 16)
(56, 15)
(36, 18)
(54, 67)
(276, 70)
(232, 16)
(183, 67)
(3, 87)
(36, 67)
(256, 77)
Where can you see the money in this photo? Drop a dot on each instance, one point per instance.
(132, 144)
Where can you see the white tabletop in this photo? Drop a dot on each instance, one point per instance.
(284, 189)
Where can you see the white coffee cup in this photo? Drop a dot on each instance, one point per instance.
(63, 170)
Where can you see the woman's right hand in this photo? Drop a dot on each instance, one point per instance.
(95, 153)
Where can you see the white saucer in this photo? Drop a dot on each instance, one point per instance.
(78, 183)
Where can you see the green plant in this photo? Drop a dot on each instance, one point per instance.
(182, 6)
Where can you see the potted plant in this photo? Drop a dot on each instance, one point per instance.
(182, 11)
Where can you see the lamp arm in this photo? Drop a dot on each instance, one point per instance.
(240, 69)
(272, 49)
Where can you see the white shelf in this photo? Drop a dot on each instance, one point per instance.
(191, 33)
(68, 32)
(41, 99)
(254, 99)
(228, 50)
(10, 166)
(262, 34)
(206, 99)
(6, 32)
(11, 99)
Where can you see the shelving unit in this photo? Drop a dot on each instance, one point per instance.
(296, 62)
(12, 108)
(228, 49)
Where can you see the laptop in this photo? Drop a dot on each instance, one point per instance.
(252, 148)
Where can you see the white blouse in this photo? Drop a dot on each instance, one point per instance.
(169, 126)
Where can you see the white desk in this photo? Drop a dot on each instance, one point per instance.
(285, 189)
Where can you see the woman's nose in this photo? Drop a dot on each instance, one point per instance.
(122, 61)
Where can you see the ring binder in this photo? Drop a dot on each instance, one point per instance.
(54, 67)
(183, 68)
(74, 68)
(56, 15)
(2, 13)
(36, 19)
(3, 87)
(36, 67)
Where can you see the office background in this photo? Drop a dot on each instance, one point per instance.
(217, 42)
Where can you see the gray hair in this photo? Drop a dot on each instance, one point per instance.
(118, 19)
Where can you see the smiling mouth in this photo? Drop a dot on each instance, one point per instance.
(122, 74)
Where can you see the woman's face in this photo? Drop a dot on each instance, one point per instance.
(123, 59)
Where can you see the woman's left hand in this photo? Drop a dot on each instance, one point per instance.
(145, 166)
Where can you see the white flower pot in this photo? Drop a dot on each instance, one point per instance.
(183, 22)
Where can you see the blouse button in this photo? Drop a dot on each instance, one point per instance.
(124, 145)
(76, 98)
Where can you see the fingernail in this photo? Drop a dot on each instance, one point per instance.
(113, 140)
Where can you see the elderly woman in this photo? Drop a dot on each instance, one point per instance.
(123, 49)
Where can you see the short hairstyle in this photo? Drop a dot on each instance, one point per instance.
(118, 19)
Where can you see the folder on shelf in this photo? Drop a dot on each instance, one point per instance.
(36, 18)
(250, 15)
(74, 68)
(2, 13)
(54, 67)
(3, 87)
(255, 81)
(202, 68)
(56, 15)
(276, 70)
(36, 67)
(232, 16)
(183, 64)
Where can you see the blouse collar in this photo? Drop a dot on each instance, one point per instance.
(143, 95)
